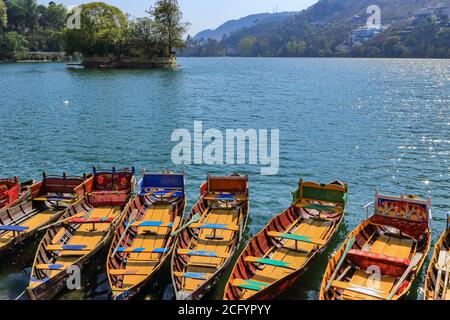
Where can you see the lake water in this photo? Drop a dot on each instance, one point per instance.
(381, 124)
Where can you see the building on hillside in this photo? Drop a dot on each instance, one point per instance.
(440, 11)
(231, 52)
(362, 34)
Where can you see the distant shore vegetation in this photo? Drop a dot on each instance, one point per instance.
(29, 31)
(338, 28)
(426, 38)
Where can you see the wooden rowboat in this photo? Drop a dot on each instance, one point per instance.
(12, 192)
(439, 269)
(211, 236)
(274, 259)
(47, 201)
(85, 227)
(381, 258)
(144, 239)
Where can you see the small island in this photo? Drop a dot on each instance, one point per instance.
(96, 34)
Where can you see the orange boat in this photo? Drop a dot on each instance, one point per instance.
(276, 257)
(210, 237)
(145, 238)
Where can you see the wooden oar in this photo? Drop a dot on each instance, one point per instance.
(57, 223)
(441, 263)
(176, 221)
(130, 222)
(196, 218)
(447, 269)
(415, 260)
(349, 245)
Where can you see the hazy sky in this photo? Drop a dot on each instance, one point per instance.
(206, 14)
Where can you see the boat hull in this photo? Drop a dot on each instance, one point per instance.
(84, 229)
(27, 212)
(230, 185)
(432, 272)
(393, 243)
(136, 289)
(246, 279)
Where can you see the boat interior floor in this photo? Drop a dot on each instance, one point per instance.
(386, 245)
(294, 256)
(33, 222)
(84, 235)
(147, 237)
(433, 277)
(221, 243)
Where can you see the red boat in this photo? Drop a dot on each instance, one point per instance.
(85, 227)
(45, 203)
(12, 192)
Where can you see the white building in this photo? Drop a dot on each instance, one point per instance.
(363, 34)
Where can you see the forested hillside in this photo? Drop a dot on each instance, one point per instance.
(323, 31)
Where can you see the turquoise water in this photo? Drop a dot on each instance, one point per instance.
(373, 123)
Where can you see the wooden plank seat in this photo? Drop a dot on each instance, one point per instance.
(176, 192)
(225, 197)
(33, 279)
(389, 266)
(55, 199)
(270, 262)
(371, 292)
(296, 237)
(57, 266)
(192, 275)
(159, 224)
(215, 226)
(66, 247)
(90, 220)
(165, 193)
(118, 289)
(249, 284)
(142, 250)
(321, 207)
(125, 272)
(14, 228)
(203, 253)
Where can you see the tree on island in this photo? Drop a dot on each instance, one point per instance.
(168, 26)
(102, 30)
(106, 30)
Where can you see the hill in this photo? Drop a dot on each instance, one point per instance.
(324, 29)
(235, 25)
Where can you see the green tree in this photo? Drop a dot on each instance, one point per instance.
(245, 47)
(168, 26)
(15, 46)
(393, 47)
(3, 15)
(23, 15)
(296, 48)
(54, 16)
(142, 35)
(102, 30)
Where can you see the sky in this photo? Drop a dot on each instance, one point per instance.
(206, 14)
